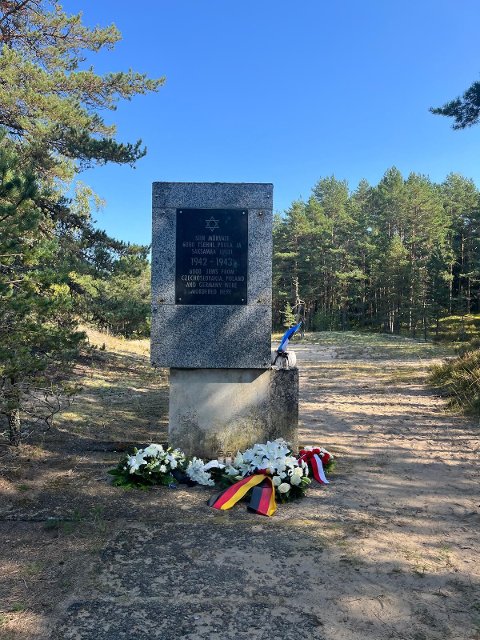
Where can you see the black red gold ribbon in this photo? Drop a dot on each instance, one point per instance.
(262, 500)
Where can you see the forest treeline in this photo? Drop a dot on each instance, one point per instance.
(395, 257)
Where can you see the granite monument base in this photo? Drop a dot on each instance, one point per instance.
(221, 411)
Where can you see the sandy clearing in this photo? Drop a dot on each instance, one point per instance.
(388, 550)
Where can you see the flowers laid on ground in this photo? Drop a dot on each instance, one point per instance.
(201, 473)
(270, 471)
(149, 466)
(318, 460)
(289, 474)
(267, 472)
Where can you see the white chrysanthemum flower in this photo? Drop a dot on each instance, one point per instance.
(277, 481)
(134, 462)
(295, 480)
(284, 487)
(153, 450)
(172, 461)
(163, 468)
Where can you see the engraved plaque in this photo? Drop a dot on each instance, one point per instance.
(211, 263)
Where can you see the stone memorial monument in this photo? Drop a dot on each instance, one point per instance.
(211, 317)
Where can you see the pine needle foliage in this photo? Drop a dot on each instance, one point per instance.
(53, 108)
(464, 110)
(38, 337)
(49, 100)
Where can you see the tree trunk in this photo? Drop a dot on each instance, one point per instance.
(14, 427)
(450, 290)
(425, 319)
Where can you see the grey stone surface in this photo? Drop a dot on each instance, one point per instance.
(212, 336)
(221, 411)
(217, 336)
(207, 578)
(284, 390)
(251, 195)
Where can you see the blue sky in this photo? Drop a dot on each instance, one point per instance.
(284, 92)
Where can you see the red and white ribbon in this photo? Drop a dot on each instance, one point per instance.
(317, 469)
(313, 459)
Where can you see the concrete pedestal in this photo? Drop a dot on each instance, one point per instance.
(220, 411)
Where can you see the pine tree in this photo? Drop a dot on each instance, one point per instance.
(465, 111)
(38, 340)
(117, 298)
(49, 102)
(361, 249)
(288, 316)
(288, 240)
(395, 257)
(51, 107)
(462, 206)
(427, 228)
(332, 195)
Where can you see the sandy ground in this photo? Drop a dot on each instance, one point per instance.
(390, 549)
(405, 502)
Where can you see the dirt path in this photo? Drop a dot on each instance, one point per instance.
(388, 550)
(405, 504)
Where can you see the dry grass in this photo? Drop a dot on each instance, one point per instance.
(459, 379)
(116, 344)
(122, 397)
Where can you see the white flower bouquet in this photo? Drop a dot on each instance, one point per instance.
(266, 473)
(150, 466)
(275, 459)
(200, 473)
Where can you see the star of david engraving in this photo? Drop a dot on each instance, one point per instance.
(211, 224)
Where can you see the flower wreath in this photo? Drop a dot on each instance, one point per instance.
(267, 473)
